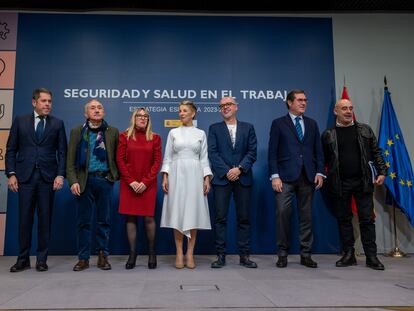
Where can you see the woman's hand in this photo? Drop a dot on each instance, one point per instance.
(165, 183)
(134, 185)
(206, 185)
(141, 187)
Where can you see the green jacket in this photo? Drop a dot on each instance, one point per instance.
(80, 176)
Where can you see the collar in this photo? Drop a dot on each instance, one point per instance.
(36, 115)
(293, 117)
(341, 125)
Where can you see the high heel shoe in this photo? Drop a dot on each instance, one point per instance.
(179, 262)
(131, 262)
(190, 262)
(152, 261)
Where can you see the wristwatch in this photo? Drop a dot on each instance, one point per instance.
(241, 168)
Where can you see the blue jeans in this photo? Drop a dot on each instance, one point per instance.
(98, 192)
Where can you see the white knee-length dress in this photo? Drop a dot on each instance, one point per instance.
(185, 207)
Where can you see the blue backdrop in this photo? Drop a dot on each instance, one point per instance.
(156, 61)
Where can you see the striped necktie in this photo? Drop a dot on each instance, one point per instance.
(299, 128)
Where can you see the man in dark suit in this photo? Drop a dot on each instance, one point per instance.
(296, 165)
(232, 148)
(35, 167)
(91, 172)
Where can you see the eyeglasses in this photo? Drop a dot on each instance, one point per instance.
(302, 100)
(142, 116)
(226, 105)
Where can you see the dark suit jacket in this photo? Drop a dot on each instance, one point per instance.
(80, 176)
(223, 157)
(287, 154)
(24, 152)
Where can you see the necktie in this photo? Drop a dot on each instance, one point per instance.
(298, 128)
(40, 127)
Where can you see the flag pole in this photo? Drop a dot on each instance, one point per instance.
(396, 252)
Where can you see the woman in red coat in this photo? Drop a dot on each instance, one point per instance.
(139, 159)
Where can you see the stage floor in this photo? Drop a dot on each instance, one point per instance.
(230, 288)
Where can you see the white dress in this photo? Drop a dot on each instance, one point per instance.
(185, 207)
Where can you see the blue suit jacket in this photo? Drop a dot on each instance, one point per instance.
(223, 157)
(287, 154)
(24, 152)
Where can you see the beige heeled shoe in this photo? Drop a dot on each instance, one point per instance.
(179, 262)
(190, 264)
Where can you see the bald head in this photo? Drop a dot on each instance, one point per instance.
(342, 101)
(344, 112)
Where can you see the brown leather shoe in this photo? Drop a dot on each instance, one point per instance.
(81, 265)
(103, 261)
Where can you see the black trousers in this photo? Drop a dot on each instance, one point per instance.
(241, 195)
(365, 207)
(303, 190)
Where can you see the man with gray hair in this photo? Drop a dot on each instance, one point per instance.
(91, 172)
(232, 150)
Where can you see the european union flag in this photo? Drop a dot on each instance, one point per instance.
(400, 178)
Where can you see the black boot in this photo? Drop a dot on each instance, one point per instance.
(246, 262)
(131, 262)
(348, 259)
(152, 261)
(220, 262)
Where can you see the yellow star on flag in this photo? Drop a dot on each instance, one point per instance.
(393, 175)
(409, 183)
(387, 164)
(402, 183)
(396, 136)
(390, 142)
(386, 152)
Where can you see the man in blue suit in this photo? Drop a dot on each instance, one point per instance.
(35, 167)
(296, 165)
(232, 148)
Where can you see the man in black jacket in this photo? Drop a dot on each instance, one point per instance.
(354, 165)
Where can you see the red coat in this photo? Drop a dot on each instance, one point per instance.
(138, 160)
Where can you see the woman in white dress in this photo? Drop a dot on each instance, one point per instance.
(186, 178)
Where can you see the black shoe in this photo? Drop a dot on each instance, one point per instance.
(131, 262)
(246, 262)
(152, 261)
(374, 263)
(308, 262)
(41, 266)
(348, 259)
(20, 266)
(220, 262)
(281, 262)
(103, 262)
